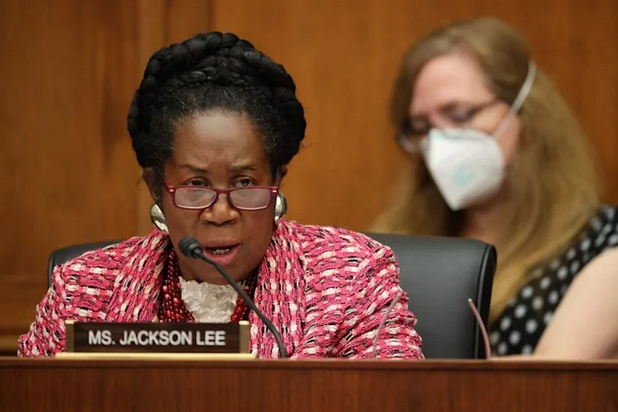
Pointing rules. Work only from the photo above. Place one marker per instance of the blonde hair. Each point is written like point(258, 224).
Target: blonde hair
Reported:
point(553, 188)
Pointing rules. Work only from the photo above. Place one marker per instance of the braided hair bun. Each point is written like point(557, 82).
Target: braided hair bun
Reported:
point(214, 71)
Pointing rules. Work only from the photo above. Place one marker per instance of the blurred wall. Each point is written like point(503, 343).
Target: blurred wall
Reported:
point(69, 69)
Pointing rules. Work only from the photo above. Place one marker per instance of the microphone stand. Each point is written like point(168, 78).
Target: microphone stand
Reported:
point(191, 248)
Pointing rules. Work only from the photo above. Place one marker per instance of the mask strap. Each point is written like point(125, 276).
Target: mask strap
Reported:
point(519, 100)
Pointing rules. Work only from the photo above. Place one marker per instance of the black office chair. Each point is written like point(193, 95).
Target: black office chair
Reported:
point(439, 275)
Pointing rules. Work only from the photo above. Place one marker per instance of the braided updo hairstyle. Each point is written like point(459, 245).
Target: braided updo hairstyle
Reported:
point(208, 72)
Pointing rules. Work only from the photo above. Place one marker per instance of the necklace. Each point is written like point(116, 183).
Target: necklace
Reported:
point(173, 309)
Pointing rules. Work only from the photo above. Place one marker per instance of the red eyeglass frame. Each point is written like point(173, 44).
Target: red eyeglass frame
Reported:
point(274, 191)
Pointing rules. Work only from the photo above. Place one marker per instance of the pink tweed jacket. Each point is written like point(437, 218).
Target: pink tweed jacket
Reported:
point(325, 289)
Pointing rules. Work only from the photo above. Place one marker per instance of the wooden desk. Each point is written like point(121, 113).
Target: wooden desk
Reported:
point(275, 386)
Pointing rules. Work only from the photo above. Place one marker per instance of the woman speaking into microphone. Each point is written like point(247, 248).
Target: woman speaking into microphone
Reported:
point(214, 125)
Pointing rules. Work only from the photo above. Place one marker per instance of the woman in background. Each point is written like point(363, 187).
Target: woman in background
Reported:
point(214, 125)
point(497, 155)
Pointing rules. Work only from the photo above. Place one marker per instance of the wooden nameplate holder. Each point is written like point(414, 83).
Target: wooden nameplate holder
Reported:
point(157, 341)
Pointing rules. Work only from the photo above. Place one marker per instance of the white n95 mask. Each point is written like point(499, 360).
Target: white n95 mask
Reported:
point(467, 165)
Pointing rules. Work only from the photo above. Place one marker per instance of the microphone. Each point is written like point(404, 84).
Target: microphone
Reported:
point(477, 315)
point(382, 323)
point(475, 312)
point(192, 249)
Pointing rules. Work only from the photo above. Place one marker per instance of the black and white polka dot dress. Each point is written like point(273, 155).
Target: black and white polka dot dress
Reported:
point(520, 326)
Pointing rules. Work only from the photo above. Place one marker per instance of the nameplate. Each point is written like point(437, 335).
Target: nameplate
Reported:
point(157, 337)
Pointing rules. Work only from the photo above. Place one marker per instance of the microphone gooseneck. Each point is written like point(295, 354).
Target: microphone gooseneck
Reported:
point(192, 249)
point(479, 319)
point(382, 324)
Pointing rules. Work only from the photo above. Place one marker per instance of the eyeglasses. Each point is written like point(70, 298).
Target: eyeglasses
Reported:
point(409, 137)
point(242, 198)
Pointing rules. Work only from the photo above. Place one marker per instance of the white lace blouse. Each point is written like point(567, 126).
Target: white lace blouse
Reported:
point(208, 303)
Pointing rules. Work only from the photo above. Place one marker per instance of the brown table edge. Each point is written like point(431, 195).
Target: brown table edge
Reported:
point(444, 365)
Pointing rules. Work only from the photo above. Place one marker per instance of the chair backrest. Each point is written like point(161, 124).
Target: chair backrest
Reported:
point(438, 274)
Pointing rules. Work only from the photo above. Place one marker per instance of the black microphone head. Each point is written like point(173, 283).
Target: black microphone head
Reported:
point(188, 246)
